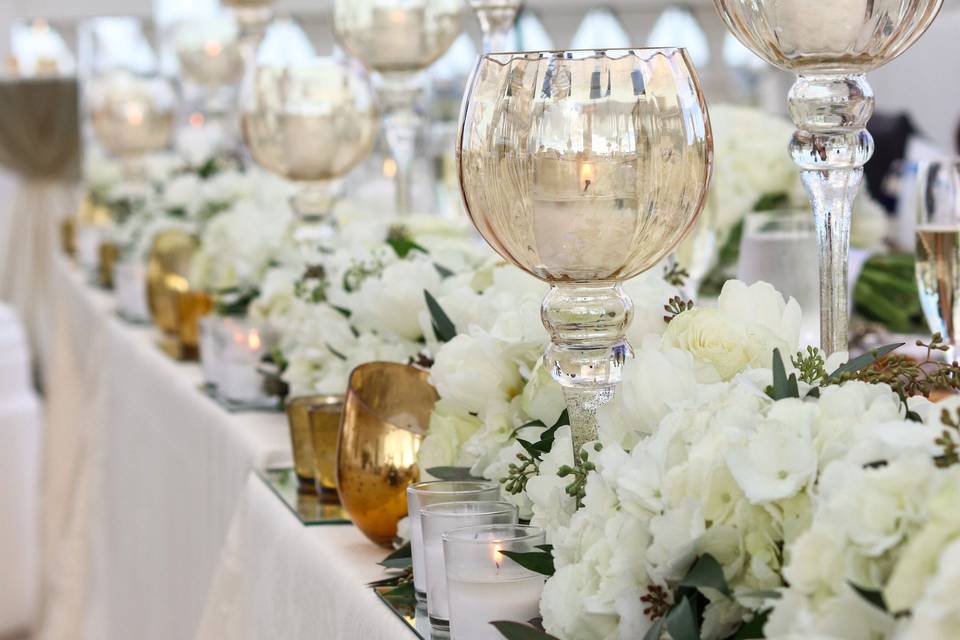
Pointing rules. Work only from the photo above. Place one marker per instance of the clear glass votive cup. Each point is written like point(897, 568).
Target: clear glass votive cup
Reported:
point(435, 492)
point(484, 585)
point(436, 520)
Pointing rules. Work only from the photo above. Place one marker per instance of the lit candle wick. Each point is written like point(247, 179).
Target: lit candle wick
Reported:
point(586, 175)
point(134, 113)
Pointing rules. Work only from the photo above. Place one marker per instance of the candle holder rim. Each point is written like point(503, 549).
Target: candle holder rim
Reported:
point(446, 508)
point(355, 391)
point(596, 53)
point(462, 534)
point(317, 400)
point(481, 486)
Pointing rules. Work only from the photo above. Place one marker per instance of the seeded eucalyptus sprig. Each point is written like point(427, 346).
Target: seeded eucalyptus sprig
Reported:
point(949, 440)
point(578, 487)
point(675, 275)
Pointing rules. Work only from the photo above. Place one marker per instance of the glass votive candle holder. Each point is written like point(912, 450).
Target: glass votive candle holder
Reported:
point(435, 492)
point(130, 288)
point(243, 350)
point(483, 585)
point(211, 348)
point(324, 421)
point(436, 520)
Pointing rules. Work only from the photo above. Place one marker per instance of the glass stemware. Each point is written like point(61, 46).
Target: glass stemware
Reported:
point(496, 20)
point(398, 39)
point(296, 108)
point(585, 168)
point(938, 248)
point(830, 45)
point(132, 115)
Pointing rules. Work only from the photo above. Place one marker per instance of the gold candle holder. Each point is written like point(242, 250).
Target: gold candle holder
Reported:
point(298, 417)
point(385, 417)
point(109, 252)
point(167, 268)
point(191, 306)
point(325, 416)
point(68, 236)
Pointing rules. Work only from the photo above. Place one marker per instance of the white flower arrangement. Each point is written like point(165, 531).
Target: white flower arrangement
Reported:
point(725, 495)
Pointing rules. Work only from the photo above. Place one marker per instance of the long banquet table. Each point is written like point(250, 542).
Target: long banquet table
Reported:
point(154, 522)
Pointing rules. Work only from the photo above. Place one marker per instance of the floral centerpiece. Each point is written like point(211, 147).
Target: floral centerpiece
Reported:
point(740, 488)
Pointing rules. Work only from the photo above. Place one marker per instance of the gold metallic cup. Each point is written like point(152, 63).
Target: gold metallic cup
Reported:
point(325, 415)
point(298, 417)
point(68, 236)
point(109, 252)
point(385, 417)
point(191, 306)
point(167, 269)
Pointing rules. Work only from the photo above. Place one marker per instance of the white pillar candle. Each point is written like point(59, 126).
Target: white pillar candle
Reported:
point(484, 585)
point(211, 349)
point(88, 245)
point(426, 493)
point(399, 32)
point(239, 380)
point(438, 519)
point(129, 284)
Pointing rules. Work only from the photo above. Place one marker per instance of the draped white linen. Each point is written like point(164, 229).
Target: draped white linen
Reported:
point(20, 431)
point(40, 145)
point(141, 476)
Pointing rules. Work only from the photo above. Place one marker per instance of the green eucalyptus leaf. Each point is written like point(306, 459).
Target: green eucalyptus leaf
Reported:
point(654, 632)
point(706, 572)
point(518, 631)
point(442, 270)
point(865, 360)
point(536, 561)
point(783, 387)
point(873, 597)
point(400, 558)
point(443, 327)
point(753, 628)
point(681, 622)
point(452, 473)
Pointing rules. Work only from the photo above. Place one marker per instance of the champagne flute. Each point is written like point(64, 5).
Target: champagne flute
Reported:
point(585, 169)
point(830, 45)
point(938, 248)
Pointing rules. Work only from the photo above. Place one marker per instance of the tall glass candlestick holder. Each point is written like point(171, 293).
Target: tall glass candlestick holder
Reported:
point(585, 168)
point(398, 39)
point(830, 45)
point(323, 102)
point(496, 21)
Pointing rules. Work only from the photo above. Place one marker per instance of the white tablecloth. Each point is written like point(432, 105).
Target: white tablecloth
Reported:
point(20, 432)
point(143, 476)
point(279, 579)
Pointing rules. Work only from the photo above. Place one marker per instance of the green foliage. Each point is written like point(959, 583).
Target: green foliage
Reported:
point(312, 285)
point(706, 572)
point(782, 387)
point(812, 366)
point(400, 558)
point(886, 292)
point(517, 476)
point(401, 241)
point(949, 440)
point(578, 486)
point(235, 301)
point(537, 561)
point(452, 473)
point(675, 275)
point(873, 597)
point(443, 327)
point(518, 631)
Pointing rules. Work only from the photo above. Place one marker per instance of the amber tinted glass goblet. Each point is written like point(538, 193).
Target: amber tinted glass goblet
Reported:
point(585, 168)
point(830, 45)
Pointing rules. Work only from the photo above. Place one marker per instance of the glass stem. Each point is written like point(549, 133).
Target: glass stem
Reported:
point(399, 95)
point(313, 204)
point(496, 23)
point(830, 147)
point(588, 347)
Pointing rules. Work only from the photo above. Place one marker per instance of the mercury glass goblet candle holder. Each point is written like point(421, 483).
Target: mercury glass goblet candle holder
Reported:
point(253, 17)
point(132, 115)
point(496, 20)
point(312, 123)
point(830, 45)
point(585, 169)
point(210, 58)
point(398, 39)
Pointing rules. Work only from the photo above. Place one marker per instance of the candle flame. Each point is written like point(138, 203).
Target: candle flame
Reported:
point(213, 48)
point(196, 119)
point(253, 340)
point(398, 16)
point(389, 168)
point(134, 114)
point(586, 175)
point(495, 555)
point(39, 25)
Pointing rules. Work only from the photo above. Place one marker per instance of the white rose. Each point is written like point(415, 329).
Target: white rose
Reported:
point(471, 370)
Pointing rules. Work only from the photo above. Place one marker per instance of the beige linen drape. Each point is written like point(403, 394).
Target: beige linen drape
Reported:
point(40, 144)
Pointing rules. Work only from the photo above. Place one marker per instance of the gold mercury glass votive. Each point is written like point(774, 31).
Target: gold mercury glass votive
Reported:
point(191, 306)
point(68, 236)
point(167, 268)
point(385, 417)
point(325, 414)
point(109, 252)
point(298, 417)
